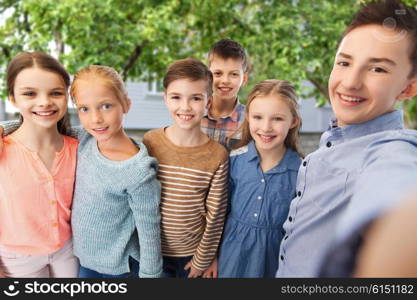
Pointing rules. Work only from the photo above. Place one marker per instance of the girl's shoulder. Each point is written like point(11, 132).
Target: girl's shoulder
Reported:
point(142, 159)
point(239, 151)
point(72, 141)
point(292, 160)
point(8, 144)
point(238, 158)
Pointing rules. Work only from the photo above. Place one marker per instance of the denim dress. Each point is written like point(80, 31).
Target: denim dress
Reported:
point(258, 207)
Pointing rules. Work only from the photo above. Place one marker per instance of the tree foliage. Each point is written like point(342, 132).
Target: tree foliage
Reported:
point(287, 39)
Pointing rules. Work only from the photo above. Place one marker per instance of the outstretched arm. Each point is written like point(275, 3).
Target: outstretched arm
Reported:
point(382, 240)
point(9, 127)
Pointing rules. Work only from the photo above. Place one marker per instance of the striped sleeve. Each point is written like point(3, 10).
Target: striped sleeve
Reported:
point(216, 204)
point(182, 208)
point(10, 126)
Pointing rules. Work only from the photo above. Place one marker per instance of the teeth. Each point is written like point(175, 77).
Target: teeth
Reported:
point(100, 129)
point(45, 113)
point(185, 117)
point(266, 137)
point(351, 99)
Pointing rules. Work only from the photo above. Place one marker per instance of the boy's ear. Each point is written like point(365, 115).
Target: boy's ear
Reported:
point(209, 100)
point(165, 98)
point(245, 78)
point(410, 91)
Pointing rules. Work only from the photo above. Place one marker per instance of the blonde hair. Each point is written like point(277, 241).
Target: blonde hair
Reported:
point(285, 91)
point(109, 77)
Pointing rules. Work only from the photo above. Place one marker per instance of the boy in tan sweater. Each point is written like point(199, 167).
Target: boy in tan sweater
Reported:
point(193, 171)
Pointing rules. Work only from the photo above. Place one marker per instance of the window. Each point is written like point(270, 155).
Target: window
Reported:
point(155, 87)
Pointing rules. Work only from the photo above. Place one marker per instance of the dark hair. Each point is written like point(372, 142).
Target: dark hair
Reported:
point(285, 91)
point(229, 49)
point(191, 69)
point(108, 76)
point(391, 14)
point(37, 59)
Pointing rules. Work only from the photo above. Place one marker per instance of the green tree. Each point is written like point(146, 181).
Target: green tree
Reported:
point(287, 39)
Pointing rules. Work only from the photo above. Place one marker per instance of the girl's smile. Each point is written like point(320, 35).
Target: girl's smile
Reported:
point(270, 119)
point(41, 97)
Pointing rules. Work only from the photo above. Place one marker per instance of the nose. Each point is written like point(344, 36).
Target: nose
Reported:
point(352, 79)
point(44, 100)
point(225, 79)
point(96, 117)
point(266, 125)
point(185, 105)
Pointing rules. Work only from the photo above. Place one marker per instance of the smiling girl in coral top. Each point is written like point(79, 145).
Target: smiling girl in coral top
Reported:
point(37, 168)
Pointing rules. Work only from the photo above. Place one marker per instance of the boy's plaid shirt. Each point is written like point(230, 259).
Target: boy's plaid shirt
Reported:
point(225, 127)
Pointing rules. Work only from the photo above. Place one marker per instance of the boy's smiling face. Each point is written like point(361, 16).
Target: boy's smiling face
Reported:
point(370, 74)
point(186, 101)
point(228, 77)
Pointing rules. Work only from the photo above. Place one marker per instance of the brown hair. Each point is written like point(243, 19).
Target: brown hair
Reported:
point(391, 14)
point(43, 61)
point(191, 69)
point(226, 49)
point(108, 76)
point(284, 90)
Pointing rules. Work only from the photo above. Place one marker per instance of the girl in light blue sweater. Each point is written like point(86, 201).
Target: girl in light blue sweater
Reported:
point(115, 214)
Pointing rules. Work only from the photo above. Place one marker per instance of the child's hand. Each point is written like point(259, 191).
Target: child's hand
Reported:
point(194, 273)
point(211, 272)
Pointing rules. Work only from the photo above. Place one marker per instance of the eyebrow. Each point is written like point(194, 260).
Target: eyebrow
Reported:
point(33, 88)
point(383, 59)
point(274, 115)
point(101, 102)
point(372, 60)
point(216, 70)
point(179, 94)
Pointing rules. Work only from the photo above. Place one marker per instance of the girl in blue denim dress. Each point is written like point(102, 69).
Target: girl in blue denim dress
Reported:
point(263, 173)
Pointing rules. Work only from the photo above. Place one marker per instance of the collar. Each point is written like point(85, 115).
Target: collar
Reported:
point(290, 160)
point(389, 121)
point(234, 115)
